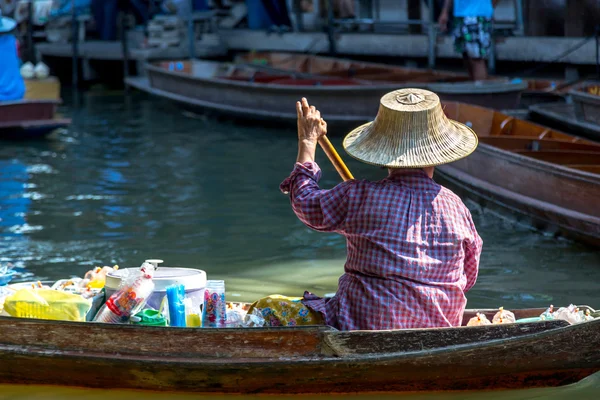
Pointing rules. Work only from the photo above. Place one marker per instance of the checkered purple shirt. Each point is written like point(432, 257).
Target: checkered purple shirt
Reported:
point(413, 250)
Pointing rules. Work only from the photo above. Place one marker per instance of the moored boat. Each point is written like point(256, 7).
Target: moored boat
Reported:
point(252, 92)
point(546, 176)
point(535, 90)
point(563, 116)
point(299, 359)
point(26, 119)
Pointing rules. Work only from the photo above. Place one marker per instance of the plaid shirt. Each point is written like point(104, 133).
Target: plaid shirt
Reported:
point(413, 250)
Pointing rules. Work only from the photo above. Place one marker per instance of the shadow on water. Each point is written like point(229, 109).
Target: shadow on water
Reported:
point(586, 389)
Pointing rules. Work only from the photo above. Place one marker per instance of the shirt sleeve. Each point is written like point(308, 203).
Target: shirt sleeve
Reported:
point(321, 210)
point(472, 254)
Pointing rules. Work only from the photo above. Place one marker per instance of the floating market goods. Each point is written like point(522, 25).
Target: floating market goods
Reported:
point(129, 299)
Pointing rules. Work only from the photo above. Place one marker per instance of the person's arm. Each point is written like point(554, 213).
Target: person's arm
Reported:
point(473, 249)
point(310, 128)
point(321, 210)
point(445, 15)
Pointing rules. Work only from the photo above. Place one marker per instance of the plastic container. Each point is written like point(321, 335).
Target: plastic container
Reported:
point(149, 318)
point(130, 298)
point(194, 281)
point(47, 304)
point(214, 312)
point(176, 297)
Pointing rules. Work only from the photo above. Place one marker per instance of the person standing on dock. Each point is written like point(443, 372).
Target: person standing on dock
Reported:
point(472, 32)
point(413, 249)
point(12, 86)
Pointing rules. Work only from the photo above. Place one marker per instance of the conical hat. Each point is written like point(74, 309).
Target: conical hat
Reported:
point(410, 131)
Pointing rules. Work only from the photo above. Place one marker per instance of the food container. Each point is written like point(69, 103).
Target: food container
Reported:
point(194, 281)
point(47, 304)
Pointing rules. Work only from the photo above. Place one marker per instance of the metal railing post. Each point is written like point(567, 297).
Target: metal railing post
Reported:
point(191, 35)
point(75, 46)
point(431, 36)
point(492, 55)
point(520, 25)
point(331, 28)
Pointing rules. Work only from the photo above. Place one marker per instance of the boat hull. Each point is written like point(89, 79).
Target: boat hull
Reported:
point(564, 116)
point(29, 119)
point(296, 360)
point(337, 103)
point(544, 194)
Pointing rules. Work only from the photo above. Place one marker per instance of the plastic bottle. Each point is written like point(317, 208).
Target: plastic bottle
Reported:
point(129, 299)
point(175, 298)
point(214, 313)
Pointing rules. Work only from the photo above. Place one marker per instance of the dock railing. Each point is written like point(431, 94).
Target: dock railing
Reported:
point(428, 24)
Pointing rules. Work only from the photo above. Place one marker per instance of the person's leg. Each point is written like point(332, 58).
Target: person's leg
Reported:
point(109, 32)
point(468, 65)
point(284, 13)
point(140, 11)
point(97, 8)
point(475, 44)
point(460, 34)
point(479, 69)
point(272, 11)
point(346, 9)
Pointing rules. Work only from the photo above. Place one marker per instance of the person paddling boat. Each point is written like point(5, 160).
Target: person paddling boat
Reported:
point(413, 249)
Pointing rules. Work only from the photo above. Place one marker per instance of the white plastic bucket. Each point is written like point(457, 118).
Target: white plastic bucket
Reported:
point(194, 281)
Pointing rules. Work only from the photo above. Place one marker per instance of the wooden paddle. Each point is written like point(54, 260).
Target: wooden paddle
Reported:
point(335, 158)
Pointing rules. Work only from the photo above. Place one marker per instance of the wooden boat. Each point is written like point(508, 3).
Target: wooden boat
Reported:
point(581, 116)
point(301, 359)
point(563, 116)
point(535, 91)
point(251, 92)
point(586, 100)
point(546, 176)
point(26, 119)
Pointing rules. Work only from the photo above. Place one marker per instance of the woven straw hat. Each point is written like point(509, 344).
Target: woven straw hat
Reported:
point(410, 131)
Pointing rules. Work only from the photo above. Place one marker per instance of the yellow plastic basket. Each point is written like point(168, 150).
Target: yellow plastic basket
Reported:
point(47, 304)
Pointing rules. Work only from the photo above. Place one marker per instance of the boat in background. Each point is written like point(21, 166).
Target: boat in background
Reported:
point(28, 119)
point(536, 90)
point(548, 177)
point(296, 360)
point(252, 92)
point(581, 116)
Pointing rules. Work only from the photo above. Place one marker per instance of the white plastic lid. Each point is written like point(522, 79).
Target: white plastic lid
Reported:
point(163, 277)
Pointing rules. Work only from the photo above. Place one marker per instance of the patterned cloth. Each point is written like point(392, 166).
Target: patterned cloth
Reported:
point(279, 310)
point(413, 250)
point(473, 36)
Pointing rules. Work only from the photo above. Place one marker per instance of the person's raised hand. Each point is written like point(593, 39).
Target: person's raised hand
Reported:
point(311, 126)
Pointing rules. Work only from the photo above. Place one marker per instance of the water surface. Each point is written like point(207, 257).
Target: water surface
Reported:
point(141, 179)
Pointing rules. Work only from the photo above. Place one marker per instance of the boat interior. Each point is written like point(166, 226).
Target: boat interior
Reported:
point(526, 138)
point(340, 68)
